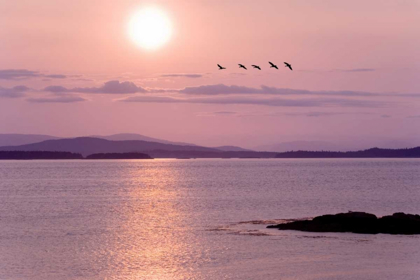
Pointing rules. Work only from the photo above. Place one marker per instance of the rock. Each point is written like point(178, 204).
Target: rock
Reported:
point(357, 222)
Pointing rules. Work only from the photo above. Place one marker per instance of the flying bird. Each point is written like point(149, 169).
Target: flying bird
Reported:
point(221, 67)
point(273, 65)
point(256, 67)
point(242, 66)
point(288, 65)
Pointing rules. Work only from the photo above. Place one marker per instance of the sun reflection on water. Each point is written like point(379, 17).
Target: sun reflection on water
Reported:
point(152, 241)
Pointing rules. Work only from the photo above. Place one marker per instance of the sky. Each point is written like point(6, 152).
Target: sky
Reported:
point(72, 68)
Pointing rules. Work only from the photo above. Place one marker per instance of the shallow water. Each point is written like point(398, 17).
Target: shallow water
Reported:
point(202, 219)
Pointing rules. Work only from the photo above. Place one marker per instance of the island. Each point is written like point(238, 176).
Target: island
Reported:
point(119, 156)
point(357, 222)
point(27, 155)
point(369, 153)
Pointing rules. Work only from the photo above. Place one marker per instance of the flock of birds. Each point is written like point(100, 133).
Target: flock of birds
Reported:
point(272, 65)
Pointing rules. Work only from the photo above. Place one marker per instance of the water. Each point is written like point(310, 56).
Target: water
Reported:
point(202, 219)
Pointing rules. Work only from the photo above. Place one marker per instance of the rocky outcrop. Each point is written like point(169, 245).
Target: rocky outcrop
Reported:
point(357, 222)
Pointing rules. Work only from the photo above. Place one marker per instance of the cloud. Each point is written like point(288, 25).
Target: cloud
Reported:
point(218, 114)
point(279, 114)
point(110, 87)
point(181, 75)
point(15, 92)
point(56, 89)
point(224, 113)
point(116, 87)
point(354, 70)
point(82, 79)
point(221, 89)
point(414, 116)
point(16, 74)
point(315, 114)
point(416, 95)
point(385, 116)
point(11, 74)
point(276, 102)
point(64, 99)
point(56, 76)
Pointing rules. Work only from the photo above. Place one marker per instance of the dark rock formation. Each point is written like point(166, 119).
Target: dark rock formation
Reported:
point(119, 156)
point(357, 222)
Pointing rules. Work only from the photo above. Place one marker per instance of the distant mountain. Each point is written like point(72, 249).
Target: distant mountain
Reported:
point(201, 154)
point(347, 145)
point(89, 145)
point(119, 156)
point(381, 143)
point(133, 136)
point(300, 146)
point(369, 153)
point(23, 139)
point(232, 149)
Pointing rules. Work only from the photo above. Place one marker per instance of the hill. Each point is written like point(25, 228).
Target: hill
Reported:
point(299, 146)
point(204, 154)
point(23, 139)
point(369, 153)
point(232, 149)
point(119, 156)
point(134, 136)
point(88, 145)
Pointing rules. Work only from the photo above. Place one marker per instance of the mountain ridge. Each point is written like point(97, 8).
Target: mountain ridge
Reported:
point(16, 139)
point(90, 145)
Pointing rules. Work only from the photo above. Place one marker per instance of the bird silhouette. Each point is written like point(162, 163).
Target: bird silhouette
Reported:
point(273, 65)
point(288, 65)
point(242, 66)
point(256, 67)
point(221, 67)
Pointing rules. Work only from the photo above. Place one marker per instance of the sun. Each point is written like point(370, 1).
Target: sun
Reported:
point(150, 28)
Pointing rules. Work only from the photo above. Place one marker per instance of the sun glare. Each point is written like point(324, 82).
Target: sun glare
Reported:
point(150, 28)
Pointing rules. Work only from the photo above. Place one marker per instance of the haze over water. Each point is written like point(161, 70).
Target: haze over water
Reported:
point(190, 219)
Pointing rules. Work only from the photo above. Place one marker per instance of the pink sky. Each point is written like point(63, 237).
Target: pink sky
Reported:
point(356, 70)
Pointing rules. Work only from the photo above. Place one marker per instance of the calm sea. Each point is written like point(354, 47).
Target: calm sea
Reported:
point(202, 219)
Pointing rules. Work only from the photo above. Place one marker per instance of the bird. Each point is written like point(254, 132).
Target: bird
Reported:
point(242, 66)
point(256, 67)
point(273, 65)
point(221, 67)
point(288, 65)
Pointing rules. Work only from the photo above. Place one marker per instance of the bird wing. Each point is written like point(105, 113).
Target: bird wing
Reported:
point(272, 64)
point(219, 66)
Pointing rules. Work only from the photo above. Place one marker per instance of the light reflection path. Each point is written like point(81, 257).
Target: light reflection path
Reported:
point(153, 240)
